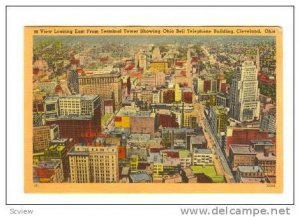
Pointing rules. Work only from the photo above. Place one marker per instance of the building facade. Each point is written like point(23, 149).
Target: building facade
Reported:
point(106, 86)
point(95, 163)
point(244, 93)
point(78, 116)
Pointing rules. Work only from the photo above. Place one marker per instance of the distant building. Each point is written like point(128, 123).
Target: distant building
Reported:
point(155, 96)
point(268, 122)
point(153, 79)
point(72, 81)
point(244, 93)
point(168, 95)
point(166, 118)
point(222, 99)
point(108, 106)
point(175, 137)
point(178, 93)
point(105, 85)
point(159, 66)
point(143, 122)
point(156, 54)
point(218, 119)
point(136, 149)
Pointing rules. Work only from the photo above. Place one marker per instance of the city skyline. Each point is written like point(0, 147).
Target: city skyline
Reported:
point(170, 109)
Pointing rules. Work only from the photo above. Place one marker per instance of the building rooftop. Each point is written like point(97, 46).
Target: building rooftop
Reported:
point(142, 114)
point(253, 180)
point(209, 171)
point(170, 153)
point(242, 149)
point(184, 154)
point(139, 137)
point(81, 96)
point(261, 156)
point(220, 110)
point(249, 169)
point(125, 171)
point(95, 73)
point(155, 157)
point(55, 148)
point(199, 139)
point(80, 152)
point(51, 164)
point(202, 151)
point(57, 141)
point(127, 111)
point(73, 117)
point(262, 142)
point(77, 96)
point(51, 98)
point(140, 177)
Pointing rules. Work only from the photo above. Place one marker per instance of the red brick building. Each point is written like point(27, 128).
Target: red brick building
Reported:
point(244, 136)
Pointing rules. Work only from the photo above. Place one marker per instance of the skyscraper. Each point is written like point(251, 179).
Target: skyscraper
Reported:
point(106, 85)
point(96, 163)
point(244, 93)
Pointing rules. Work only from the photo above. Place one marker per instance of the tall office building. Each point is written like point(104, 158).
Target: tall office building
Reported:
point(78, 116)
point(95, 163)
point(105, 85)
point(156, 54)
point(79, 163)
point(244, 93)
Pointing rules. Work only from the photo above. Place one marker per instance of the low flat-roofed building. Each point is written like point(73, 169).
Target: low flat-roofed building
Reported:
point(267, 161)
point(50, 171)
point(202, 157)
point(174, 178)
point(185, 157)
point(262, 145)
point(198, 141)
point(207, 174)
point(140, 177)
point(241, 155)
point(188, 176)
point(250, 174)
point(143, 122)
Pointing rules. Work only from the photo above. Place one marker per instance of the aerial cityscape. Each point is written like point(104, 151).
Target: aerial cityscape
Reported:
point(159, 109)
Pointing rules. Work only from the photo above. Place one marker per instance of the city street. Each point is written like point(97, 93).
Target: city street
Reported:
point(219, 158)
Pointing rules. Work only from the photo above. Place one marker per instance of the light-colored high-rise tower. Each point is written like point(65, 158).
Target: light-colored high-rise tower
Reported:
point(156, 56)
point(79, 165)
point(257, 60)
point(95, 163)
point(104, 163)
point(244, 93)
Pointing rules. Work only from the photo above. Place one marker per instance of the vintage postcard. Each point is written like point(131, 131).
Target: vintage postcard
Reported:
point(153, 109)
